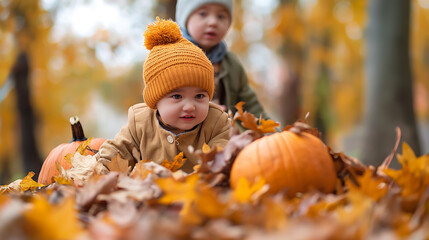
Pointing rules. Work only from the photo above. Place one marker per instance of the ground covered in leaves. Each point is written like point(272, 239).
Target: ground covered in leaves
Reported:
point(153, 201)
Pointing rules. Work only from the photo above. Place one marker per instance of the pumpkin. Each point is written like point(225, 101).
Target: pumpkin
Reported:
point(286, 161)
point(49, 168)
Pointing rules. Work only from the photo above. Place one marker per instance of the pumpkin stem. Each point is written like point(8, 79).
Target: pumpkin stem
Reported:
point(77, 130)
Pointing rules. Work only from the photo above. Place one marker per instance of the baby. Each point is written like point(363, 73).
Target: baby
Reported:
point(177, 113)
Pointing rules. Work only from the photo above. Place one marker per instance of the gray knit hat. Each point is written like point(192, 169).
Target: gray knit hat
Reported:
point(184, 8)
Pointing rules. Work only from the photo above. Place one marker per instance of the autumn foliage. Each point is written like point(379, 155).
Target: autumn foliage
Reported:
point(153, 201)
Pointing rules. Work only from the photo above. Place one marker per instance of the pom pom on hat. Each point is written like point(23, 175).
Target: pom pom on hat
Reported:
point(161, 32)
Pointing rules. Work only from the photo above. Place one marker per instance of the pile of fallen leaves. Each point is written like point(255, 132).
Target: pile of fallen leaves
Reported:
point(153, 201)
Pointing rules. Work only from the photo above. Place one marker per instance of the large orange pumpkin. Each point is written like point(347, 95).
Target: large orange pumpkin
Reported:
point(49, 168)
point(286, 161)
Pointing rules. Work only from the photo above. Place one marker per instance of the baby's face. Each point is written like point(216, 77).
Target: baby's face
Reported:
point(184, 108)
point(208, 25)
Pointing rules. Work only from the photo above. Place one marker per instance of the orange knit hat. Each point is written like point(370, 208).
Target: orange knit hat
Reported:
point(173, 62)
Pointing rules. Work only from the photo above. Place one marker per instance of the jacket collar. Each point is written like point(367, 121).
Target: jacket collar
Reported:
point(164, 126)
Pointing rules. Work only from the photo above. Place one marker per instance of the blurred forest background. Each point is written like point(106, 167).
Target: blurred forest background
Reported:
point(359, 67)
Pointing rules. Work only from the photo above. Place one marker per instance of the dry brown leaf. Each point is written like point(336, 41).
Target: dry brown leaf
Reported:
point(220, 229)
point(93, 187)
point(346, 167)
point(13, 187)
point(152, 169)
point(11, 212)
point(250, 122)
point(223, 161)
point(118, 164)
point(299, 127)
point(135, 189)
point(389, 158)
point(83, 167)
point(140, 171)
point(123, 213)
point(206, 155)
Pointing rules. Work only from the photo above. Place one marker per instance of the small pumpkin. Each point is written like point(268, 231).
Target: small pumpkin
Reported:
point(286, 161)
point(49, 168)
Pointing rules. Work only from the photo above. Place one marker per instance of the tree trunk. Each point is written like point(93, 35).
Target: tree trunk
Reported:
point(389, 98)
point(292, 54)
point(322, 107)
point(166, 9)
point(322, 111)
point(289, 108)
point(29, 152)
point(5, 173)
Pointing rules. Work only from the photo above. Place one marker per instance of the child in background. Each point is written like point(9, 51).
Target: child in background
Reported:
point(205, 23)
point(179, 84)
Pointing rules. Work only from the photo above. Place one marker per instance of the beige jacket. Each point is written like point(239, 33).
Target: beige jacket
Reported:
point(144, 138)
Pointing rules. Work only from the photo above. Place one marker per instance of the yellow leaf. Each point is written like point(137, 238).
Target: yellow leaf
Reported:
point(199, 201)
point(176, 164)
point(84, 146)
point(181, 192)
point(276, 217)
point(189, 215)
point(208, 203)
point(28, 183)
point(175, 191)
point(324, 205)
point(3, 201)
point(412, 178)
point(268, 126)
point(408, 154)
point(62, 180)
point(80, 149)
point(414, 175)
point(369, 185)
point(358, 209)
point(48, 221)
point(243, 192)
point(197, 167)
point(206, 148)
